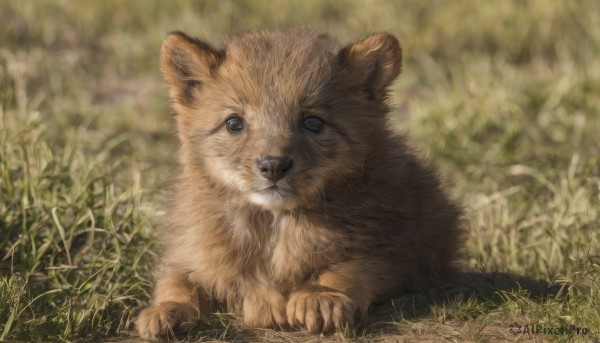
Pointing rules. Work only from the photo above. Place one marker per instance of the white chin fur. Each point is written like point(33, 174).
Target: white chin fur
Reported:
point(272, 201)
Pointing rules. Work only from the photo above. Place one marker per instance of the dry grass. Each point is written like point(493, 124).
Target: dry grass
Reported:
point(504, 95)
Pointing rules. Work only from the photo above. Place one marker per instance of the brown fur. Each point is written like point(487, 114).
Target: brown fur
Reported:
point(357, 217)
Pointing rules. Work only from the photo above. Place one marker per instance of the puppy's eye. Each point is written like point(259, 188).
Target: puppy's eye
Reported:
point(234, 124)
point(313, 124)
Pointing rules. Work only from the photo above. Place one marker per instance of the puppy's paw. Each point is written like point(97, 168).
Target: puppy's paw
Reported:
point(157, 322)
point(264, 309)
point(320, 310)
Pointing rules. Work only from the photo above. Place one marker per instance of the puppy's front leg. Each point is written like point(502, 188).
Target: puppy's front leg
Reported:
point(177, 304)
point(340, 293)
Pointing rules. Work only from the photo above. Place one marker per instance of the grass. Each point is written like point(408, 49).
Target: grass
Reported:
point(504, 96)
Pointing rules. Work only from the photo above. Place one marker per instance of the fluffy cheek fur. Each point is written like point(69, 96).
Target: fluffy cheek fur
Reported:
point(333, 156)
point(226, 164)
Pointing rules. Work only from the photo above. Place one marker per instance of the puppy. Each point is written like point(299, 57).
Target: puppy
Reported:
point(295, 200)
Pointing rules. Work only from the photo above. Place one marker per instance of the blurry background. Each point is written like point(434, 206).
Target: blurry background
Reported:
point(502, 95)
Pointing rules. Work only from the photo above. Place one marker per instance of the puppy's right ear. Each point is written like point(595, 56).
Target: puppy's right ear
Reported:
point(186, 63)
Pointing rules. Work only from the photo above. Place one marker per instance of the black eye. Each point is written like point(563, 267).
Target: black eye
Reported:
point(234, 124)
point(313, 124)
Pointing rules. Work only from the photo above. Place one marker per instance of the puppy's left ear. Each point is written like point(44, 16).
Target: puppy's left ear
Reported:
point(372, 64)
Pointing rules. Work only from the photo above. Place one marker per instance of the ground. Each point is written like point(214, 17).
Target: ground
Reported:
point(502, 95)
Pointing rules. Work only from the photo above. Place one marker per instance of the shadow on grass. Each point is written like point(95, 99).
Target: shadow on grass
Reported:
point(487, 290)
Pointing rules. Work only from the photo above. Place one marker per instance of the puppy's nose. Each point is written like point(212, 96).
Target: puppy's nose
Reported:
point(274, 167)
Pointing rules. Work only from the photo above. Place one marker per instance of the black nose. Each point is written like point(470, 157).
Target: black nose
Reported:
point(274, 167)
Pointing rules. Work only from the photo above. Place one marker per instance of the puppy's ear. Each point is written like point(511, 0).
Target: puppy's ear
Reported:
point(186, 63)
point(372, 64)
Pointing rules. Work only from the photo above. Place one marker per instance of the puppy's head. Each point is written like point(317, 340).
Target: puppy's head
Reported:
point(276, 116)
